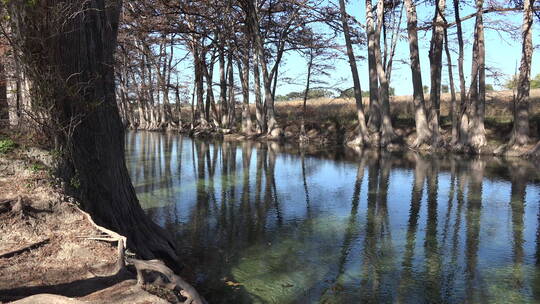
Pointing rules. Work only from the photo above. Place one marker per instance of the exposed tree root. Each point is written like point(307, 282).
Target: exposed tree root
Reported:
point(175, 281)
point(172, 281)
point(113, 236)
point(24, 248)
point(47, 299)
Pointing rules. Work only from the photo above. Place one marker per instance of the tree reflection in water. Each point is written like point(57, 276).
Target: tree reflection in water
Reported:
point(265, 223)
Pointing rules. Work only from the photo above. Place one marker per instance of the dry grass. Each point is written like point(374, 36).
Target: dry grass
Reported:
point(498, 111)
point(325, 112)
point(498, 106)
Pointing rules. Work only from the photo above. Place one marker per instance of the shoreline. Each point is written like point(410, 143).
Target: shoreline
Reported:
point(401, 144)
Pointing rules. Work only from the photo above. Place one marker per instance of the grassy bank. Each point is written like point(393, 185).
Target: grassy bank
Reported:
point(333, 120)
point(498, 118)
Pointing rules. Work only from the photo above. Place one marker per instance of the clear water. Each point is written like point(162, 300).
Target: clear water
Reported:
point(263, 223)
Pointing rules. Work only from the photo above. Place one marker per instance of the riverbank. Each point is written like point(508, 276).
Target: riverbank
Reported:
point(332, 121)
point(52, 252)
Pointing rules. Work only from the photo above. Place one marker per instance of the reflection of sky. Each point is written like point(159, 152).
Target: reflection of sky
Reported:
point(312, 237)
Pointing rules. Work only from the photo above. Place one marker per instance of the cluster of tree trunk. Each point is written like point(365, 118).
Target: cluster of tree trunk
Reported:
point(468, 132)
point(234, 50)
point(240, 42)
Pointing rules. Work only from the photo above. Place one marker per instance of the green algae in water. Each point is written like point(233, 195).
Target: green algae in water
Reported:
point(261, 226)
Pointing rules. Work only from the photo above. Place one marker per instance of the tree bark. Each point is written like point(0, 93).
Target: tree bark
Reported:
point(423, 133)
point(231, 119)
point(395, 36)
point(260, 112)
point(477, 92)
point(253, 21)
point(306, 94)
point(224, 109)
point(210, 99)
point(453, 103)
point(374, 121)
point(243, 71)
point(435, 60)
point(199, 88)
point(386, 130)
point(463, 115)
point(80, 54)
point(4, 108)
point(520, 132)
point(363, 135)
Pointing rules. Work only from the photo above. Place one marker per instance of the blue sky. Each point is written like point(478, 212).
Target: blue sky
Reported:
point(503, 53)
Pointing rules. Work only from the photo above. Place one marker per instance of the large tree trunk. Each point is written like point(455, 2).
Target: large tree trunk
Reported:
point(200, 120)
point(260, 112)
point(363, 137)
point(243, 71)
point(423, 133)
point(477, 92)
point(212, 114)
point(463, 115)
point(374, 121)
point(4, 108)
point(453, 103)
point(13, 88)
point(224, 109)
point(76, 49)
point(386, 130)
point(253, 22)
point(306, 94)
point(520, 132)
point(231, 119)
point(435, 60)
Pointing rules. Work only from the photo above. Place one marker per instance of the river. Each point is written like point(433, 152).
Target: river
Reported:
point(269, 223)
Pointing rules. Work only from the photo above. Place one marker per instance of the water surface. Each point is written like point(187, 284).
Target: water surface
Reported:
point(263, 223)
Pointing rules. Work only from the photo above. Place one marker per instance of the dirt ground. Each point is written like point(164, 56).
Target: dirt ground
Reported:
point(45, 245)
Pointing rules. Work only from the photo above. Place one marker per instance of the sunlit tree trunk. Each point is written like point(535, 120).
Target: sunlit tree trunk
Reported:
point(253, 21)
point(477, 93)
point(306, 94)
point(435, 60)
point(260, 113)
point(374, 121)
point(224, 109)
point(423, 133)
point(463, 115)
point(386, 130)
point(243, 71)
point(231, 119)
point(520, 132)
point(363, 137)
point(453, 103)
